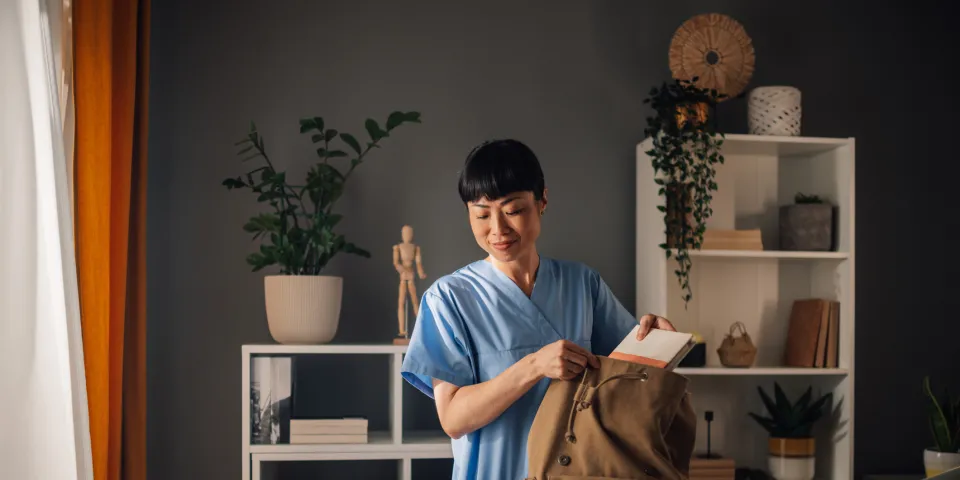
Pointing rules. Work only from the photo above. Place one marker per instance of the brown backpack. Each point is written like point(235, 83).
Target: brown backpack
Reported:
point(621, 420)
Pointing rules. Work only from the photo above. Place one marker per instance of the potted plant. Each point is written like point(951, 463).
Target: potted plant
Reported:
point(944, 420)
point(807, 225)
point(685, 152)
point(297, 232)
point(791, 444)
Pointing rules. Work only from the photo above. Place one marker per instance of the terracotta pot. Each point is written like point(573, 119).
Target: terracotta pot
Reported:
point(792, 458)
point(303, 309)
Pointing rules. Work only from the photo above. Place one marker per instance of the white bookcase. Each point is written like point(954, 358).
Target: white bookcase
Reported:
point(394, 444)
point(757, 288)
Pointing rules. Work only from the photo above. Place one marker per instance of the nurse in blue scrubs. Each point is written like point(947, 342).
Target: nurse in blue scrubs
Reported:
point(491, 335)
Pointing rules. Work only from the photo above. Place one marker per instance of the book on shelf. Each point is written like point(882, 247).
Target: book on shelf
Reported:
point(331, 438)
point(721, 239)
point(271, 394)
point(329, 426)
point(813, 334)
point(712, 468)
point(660, 348)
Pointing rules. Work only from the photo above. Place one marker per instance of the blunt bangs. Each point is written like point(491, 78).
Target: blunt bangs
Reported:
point(497, 168)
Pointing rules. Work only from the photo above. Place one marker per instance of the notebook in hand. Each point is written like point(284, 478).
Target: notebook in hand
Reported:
point(660, 348)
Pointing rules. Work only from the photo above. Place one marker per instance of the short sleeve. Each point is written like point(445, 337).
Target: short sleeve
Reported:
point(611, 321)
point(437, 348)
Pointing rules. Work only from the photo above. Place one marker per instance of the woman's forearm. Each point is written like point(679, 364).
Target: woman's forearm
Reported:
point(465, 409)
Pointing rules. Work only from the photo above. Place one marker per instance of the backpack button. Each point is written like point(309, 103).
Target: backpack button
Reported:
point(564, 460)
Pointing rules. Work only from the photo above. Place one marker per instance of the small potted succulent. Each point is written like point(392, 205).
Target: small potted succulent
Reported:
point(944, 420)
point(807, 225)
point(791, 445)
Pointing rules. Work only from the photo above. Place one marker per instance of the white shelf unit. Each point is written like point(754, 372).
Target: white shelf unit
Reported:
point(395, 444)
point(759, 174)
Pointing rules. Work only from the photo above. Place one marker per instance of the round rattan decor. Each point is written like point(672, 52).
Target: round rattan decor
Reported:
point(715, 48)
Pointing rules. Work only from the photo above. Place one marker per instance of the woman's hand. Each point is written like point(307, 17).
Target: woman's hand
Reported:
point(651, 321)
point(563, 360)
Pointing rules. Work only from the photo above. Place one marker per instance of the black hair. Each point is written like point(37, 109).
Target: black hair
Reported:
point(497, 168)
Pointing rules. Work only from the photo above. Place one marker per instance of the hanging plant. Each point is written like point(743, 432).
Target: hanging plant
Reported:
point(686, 149)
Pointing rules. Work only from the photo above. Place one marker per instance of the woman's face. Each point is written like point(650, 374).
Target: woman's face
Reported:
point(507, 228)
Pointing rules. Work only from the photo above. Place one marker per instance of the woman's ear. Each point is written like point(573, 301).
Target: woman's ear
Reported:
point(543, 201)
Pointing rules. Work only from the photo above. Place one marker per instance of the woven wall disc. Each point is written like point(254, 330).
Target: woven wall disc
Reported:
point(715, 48)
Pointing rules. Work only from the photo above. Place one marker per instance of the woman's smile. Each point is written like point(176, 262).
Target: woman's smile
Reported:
point(504, 244)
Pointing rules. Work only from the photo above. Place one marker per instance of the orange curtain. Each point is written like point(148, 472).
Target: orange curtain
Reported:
point(111, 55)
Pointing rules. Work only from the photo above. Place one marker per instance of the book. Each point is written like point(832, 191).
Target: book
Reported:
point(344, 425)
point(271, 390)
point(812, 334)
point(716, 239)
point(660, 348)
point(304, 439)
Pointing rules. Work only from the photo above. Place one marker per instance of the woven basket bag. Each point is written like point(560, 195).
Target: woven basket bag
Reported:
point(737, 351)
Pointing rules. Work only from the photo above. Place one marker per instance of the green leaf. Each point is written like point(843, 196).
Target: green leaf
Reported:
point(307, 124)
point(317, 137)
point(768, 402)
point(352, 141)
point(232, 183)
point(351, 248)
point(394, 120)
point(336, 153)
point(373, 129)
point(331, 134)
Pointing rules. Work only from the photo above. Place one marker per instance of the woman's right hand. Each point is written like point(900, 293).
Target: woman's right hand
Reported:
point(563, 360)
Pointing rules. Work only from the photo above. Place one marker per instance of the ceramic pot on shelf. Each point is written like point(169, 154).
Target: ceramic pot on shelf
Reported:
point(792, 458)
point(303, 309)
point(936, 462)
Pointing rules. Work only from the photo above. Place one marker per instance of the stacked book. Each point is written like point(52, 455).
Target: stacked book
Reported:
point(813, 334)
point(328, 430)
point(715, 239)
point(712, 469)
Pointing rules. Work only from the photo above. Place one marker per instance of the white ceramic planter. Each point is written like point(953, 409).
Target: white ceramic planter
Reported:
point(303, 309)
point(792, 458)
point(936, 463)
point(786, 468)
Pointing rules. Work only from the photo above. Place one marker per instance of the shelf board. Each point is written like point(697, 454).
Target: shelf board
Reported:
point(743, 144)
point(773, 254)
point(365, 348)
point(378, 442)
point(759, 371)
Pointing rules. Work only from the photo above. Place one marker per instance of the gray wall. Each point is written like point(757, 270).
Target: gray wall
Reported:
point(566, 77)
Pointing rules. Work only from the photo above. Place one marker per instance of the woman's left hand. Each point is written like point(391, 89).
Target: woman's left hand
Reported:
point(650, 321)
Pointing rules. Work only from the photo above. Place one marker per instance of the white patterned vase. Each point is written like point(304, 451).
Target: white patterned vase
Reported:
point(774, 111)
point(303, 309)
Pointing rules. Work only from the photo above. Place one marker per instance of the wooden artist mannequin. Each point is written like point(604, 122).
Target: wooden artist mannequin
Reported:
point(405, 255)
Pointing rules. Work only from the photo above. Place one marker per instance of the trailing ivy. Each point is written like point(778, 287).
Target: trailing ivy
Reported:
point(686, 150)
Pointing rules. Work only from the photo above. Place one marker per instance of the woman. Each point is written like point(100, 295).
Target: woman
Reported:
point(490, 336)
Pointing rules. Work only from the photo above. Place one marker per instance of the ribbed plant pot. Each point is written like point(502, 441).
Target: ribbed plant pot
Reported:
point(935, 462)
point(792, 458)
point(303, 309)
point(806, 227)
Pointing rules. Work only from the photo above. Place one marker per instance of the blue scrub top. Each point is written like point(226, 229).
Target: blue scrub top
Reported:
point(475, 323)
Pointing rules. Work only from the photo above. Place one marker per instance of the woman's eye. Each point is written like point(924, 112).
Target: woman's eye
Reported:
point(482, 217)
point(518, 212)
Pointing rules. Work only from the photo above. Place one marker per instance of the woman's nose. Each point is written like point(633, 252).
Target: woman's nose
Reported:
point(498, 225)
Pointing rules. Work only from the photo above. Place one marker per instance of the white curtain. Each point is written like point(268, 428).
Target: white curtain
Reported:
point(44, 432)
